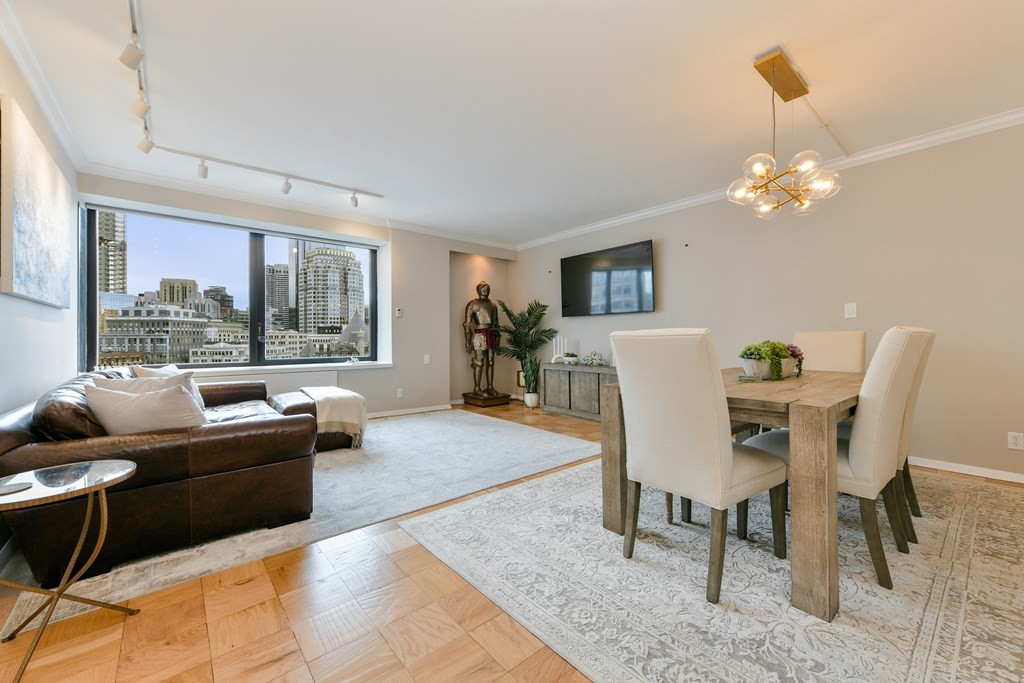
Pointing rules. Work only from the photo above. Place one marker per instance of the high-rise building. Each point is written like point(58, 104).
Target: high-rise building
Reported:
point(277, 284)
point(177, 291)
point(226, 301)
point(162, 334)
point(112, 254)
point(330, 289)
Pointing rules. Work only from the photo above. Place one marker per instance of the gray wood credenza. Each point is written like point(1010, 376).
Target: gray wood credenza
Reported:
point(574, 389)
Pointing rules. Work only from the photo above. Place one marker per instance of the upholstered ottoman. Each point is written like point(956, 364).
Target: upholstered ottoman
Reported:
point(300, 403)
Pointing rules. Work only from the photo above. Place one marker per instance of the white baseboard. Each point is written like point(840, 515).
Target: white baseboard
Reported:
point(410, 411)
point(458, 401)
point(1015, 477)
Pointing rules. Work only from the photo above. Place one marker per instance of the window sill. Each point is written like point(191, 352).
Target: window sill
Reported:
point(249, 370)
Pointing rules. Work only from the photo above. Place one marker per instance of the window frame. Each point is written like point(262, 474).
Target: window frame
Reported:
point(88, 337)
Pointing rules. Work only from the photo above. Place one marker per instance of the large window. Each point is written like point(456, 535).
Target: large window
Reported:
point(172, 291)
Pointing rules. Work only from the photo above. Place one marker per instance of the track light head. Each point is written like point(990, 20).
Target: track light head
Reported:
point(286, 187)
point(203, 169)
point(146, 145)
point(355, 200)
point(132, 54)
point(141, 107)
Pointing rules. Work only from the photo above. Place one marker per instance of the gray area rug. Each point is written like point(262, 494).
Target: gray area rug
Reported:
point(406, 463)
point(539, 551)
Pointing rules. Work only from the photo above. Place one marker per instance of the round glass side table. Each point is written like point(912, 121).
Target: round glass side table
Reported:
point(49, 485)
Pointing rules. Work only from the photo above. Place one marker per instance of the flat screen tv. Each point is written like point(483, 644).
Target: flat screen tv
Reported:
point(616, 280)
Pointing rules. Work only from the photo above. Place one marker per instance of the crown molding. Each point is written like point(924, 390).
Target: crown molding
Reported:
point(632, 217)
point(988, 124)
point(208, 190)
point(14, 38)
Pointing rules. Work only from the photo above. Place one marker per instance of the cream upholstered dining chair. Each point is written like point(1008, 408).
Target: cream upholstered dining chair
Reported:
point(839, 351)
point(905, 494)
point(867, 460)
point(678, 436)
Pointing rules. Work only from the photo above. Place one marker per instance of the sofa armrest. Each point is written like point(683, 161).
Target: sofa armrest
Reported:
point(159, 456)
point(235, 445)
point(293, 403)
point(221, 393)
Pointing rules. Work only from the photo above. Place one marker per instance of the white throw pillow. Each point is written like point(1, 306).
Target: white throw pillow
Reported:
point(142, 385)
point(163, 371)
point(123, 413)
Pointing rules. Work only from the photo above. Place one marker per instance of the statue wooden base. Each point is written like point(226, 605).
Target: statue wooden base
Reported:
point(486, 401)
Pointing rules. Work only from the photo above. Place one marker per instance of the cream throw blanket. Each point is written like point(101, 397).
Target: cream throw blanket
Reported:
point(339, 410)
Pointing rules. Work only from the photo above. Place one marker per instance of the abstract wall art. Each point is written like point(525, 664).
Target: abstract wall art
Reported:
point(37, 214)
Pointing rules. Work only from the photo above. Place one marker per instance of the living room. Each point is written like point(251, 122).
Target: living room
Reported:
point(506, 139)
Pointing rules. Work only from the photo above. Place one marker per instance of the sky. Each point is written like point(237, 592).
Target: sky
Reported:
point(166, 248)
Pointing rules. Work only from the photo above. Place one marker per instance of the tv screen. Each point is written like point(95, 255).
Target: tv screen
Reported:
point(616, 280)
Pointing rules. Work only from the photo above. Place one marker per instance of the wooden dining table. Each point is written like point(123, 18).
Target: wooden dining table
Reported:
point(810, 406)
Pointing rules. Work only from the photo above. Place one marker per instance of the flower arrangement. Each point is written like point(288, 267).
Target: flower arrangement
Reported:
point(774, 352)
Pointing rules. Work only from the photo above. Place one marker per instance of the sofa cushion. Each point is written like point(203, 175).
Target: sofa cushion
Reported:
point(62, 413)
point(121, 412)
point(162, 371)
point(244, 410)
point(141, 385)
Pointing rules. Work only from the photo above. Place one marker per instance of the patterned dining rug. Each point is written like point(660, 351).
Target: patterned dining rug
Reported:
point(539, 551)
point(407, 463)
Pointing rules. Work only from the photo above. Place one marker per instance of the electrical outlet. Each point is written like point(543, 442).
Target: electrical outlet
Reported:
point(1015, 441)
point(850, 310)
point(400, 393)
point(426, 359)
point(398, 312)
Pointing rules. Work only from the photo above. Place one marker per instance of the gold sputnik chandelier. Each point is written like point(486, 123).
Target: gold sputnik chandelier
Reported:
point(804, 182)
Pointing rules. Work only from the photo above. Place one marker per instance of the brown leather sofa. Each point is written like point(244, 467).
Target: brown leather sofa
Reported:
point(249, 467)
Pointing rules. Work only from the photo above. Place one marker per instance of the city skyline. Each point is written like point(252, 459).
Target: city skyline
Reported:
point(209, 254)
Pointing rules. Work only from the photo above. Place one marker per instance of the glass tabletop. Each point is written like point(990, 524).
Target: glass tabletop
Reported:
point(49, 484)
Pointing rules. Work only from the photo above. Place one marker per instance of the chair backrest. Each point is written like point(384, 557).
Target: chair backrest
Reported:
point(908, 414)
point(675, 413)
point(841, 351)
point(875, 439)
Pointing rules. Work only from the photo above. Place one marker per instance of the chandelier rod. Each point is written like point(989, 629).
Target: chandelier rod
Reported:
point(773, 111)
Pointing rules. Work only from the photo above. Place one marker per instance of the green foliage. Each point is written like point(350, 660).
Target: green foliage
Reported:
point(523, 337)
point(765, 350)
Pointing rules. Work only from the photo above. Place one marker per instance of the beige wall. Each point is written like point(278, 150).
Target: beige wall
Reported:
point(933, 238)
point(465, 272)
point(38, 345)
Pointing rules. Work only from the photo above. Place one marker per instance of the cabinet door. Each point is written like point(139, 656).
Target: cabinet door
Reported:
point(585, 392)
point(556, 388)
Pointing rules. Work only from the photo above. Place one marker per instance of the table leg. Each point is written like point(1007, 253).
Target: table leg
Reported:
point(814, 514)
point(613, 460)
point(66, 581)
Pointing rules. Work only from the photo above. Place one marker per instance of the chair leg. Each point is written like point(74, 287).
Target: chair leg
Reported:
point(685, 510)
point(908, 484)
point(741, 518)
point(632, 513)
point(668, 507)
point(777, 494)
point(892, 511)
point(716, 560)
point(869, 520)
point(901, 501)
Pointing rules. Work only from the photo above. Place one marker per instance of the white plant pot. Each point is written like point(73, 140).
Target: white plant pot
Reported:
point(532, 400)
point(762, 369)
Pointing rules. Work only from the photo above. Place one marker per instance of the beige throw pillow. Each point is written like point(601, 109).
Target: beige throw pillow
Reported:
point(163, 371)
point(121, 412)
point(143, 385)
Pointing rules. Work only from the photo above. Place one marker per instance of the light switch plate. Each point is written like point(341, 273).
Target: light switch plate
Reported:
point(850, 310)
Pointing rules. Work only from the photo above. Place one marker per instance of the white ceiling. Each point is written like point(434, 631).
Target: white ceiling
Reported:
point(507, 122)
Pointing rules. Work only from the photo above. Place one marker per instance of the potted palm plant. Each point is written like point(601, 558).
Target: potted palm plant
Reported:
point(522, 338)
